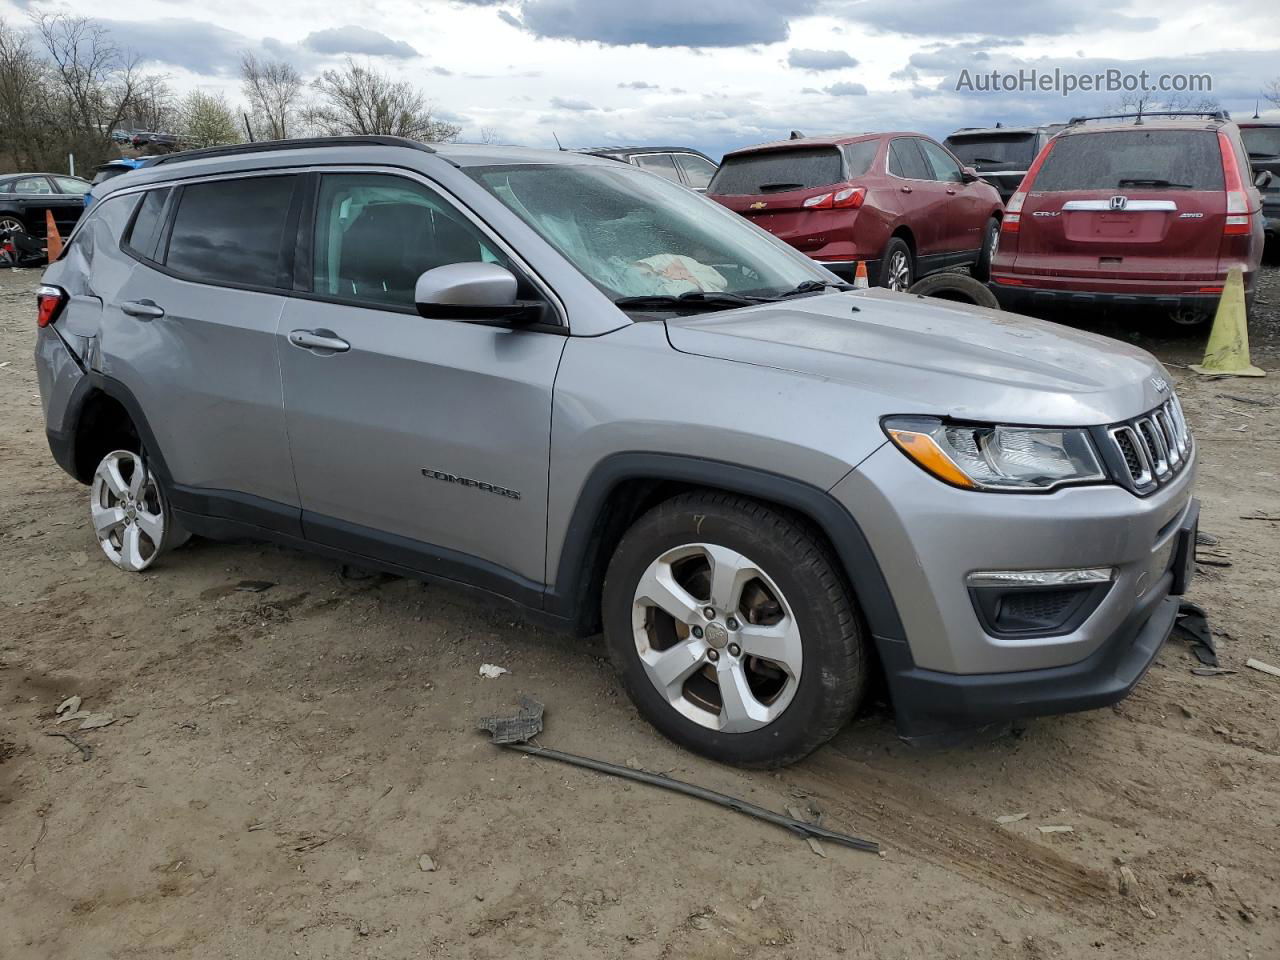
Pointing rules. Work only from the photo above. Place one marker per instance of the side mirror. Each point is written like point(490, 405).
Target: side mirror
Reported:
point(969, 175)
point(474, 292)
point(1263, 178)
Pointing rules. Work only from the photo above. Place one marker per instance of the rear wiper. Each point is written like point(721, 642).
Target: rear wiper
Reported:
point(695, 300)
point(765, 187)
point(814, 286)
point(1150, 182)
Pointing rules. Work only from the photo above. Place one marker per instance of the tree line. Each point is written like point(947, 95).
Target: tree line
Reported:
point(66, 85)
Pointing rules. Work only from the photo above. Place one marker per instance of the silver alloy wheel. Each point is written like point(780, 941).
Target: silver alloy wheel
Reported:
point(10, 225)
point(995, 243)
point(127, 512)
point(899, 271)
point(717, 638)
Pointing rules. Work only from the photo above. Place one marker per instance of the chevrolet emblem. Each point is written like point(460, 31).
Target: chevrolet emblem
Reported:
point(759, 205)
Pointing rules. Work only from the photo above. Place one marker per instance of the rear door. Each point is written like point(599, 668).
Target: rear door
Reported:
point(37, 196)
point(769, 188)
point(1135, 204)
point(192, 333)
point(922, 199)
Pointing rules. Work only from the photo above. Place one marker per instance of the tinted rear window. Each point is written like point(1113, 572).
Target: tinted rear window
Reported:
point(229, 231)
point(1019, 148)
point(1180, 159)
point(144, 235)
point(776, 170)
point(1261, 142)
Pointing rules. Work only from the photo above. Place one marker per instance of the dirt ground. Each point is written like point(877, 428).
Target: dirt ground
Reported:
point(281, 760)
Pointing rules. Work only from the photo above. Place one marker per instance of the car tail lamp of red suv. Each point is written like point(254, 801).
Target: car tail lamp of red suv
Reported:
point(1013, 209)
point(850, 198)
point(1239, 222)
point(49, 303)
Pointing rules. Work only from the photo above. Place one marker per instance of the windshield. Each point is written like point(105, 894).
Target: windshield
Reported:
point(1009, 148)
point(1261, 141)
point(636, 235)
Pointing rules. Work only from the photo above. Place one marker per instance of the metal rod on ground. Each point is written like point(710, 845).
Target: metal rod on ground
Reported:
point(690, 790)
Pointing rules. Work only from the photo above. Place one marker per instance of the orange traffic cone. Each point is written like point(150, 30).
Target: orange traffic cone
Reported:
point(53, 239)
point(860, 277)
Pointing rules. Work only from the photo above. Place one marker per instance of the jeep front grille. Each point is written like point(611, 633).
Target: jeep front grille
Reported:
point(1153, 448)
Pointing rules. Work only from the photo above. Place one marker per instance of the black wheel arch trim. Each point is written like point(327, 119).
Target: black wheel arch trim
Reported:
point(574, 569)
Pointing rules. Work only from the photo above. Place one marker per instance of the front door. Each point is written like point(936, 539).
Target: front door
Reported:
point(422, 442)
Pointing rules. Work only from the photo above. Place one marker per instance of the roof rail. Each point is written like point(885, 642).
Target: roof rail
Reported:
point(1140, 116)
point(301, 143)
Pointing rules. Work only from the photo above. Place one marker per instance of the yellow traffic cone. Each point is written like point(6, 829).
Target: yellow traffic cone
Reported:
point(1227, 353)
point(860, 276)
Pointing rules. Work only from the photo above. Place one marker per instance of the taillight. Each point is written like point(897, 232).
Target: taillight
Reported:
point(1013, 209)
point(1239, 223)
point(49, 301)
point(849, 198)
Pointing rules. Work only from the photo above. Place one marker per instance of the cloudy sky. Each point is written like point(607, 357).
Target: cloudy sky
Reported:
point(711, 73)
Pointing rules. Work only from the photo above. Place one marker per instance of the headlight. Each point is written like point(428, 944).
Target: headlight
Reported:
point(996, 457)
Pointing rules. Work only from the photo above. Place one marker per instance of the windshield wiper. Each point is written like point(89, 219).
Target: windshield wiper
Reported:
point(694, 300)
point(814, 286)
point(1150, 182)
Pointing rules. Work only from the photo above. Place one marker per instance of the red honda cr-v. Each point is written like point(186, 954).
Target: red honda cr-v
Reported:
point(899, 201)
point(1150, 211)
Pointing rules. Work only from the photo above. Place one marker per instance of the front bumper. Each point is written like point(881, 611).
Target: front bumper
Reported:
point(947, 670)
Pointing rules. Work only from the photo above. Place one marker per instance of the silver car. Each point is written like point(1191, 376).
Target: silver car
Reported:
point(572, 384)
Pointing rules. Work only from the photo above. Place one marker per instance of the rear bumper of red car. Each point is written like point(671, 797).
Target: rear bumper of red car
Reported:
point(1023, 296)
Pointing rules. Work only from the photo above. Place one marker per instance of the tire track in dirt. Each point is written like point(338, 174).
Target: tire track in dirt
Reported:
point(903, 817)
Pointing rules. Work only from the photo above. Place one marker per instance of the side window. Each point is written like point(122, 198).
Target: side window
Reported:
point(72, 185)
point(148, 224)
point(375, 234)
point(229, 231)
point(33, 186)
point(905, 160)
point(659, 163)
point(859, 156)
point(697, 170)
point(941, 164)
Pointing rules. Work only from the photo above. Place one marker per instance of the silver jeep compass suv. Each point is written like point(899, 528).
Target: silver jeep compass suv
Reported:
point(573, 384)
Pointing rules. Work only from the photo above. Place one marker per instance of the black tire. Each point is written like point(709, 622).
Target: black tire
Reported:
point(956, 287)
point(833, 676)
point(981, 268)
point(889, 264)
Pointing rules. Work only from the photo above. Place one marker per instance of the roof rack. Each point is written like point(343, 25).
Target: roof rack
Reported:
point(266, 146)
point(1139, 116)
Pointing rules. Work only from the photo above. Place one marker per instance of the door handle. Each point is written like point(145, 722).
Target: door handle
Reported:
point(318, 340)
point(906, 189)
point(142, 309)
point(951, 191)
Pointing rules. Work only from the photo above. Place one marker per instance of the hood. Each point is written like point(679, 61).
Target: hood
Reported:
point(937, 357)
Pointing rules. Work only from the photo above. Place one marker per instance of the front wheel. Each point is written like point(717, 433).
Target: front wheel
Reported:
point(11, 224)
point(130, 513)
point(732, 630)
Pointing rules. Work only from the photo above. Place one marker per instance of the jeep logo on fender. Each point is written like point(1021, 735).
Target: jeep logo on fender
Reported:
point(468, 482)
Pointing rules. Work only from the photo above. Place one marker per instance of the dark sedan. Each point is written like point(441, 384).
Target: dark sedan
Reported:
point(25, 198)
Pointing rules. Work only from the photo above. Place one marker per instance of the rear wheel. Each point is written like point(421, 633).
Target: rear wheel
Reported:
point(11, 224)
point(732, 630)
point(897, 270)
point(130, 513)
point(981, 268)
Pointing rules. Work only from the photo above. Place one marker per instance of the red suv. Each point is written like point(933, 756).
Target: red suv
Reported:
point(899, 201)
point(1151, 211)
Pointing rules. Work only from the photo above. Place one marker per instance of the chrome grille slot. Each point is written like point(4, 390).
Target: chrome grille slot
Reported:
point(1154, 447)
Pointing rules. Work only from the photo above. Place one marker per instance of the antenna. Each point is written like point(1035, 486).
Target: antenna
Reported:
point(558, 147)
point(1256, 103)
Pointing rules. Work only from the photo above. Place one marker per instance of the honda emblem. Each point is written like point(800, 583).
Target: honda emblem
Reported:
point(1118, 203)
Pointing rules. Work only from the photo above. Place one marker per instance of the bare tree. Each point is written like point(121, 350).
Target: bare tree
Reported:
point(23, 95)
point(1272, 92)
point(206, 120)
point(153, 105)
point(1148, 102)
point(274, 91)
point(93, 82)
point(360, 100)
